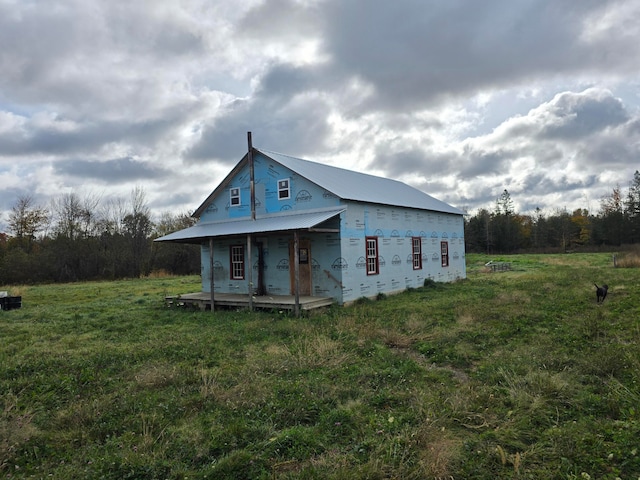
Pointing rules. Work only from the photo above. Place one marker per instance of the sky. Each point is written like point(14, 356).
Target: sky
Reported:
point(461, 99)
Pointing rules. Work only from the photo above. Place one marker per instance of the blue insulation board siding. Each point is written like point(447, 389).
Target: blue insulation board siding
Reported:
point(338, 260)
point(325, 248)
point(304, 194)
point(394, 228)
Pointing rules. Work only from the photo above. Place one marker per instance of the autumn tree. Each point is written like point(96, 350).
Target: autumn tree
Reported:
point(580, 233)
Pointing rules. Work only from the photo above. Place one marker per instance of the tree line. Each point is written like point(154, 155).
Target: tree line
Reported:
point(77, 238)
point(505, 231)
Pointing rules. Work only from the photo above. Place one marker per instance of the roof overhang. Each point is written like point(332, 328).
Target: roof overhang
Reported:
point(267, 224)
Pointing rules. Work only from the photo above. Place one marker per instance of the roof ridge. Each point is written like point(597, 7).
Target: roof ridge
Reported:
point(358, 186)
point(332, 166)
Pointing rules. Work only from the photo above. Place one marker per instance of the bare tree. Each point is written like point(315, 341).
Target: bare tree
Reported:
point(138, 228)
point(75, 216)
point(27, 219)
point(111, 217)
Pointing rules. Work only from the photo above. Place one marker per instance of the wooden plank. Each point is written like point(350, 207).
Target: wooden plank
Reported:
point(282, 302)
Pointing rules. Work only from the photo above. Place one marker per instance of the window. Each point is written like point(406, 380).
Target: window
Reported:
point(235, 196)
point(237, 262)
point(284, 192)
point(416, 243)
point(372, 256)
point(444, 253)
point(303, 256)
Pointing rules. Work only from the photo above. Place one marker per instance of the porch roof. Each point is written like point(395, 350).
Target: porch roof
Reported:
point(265, 224)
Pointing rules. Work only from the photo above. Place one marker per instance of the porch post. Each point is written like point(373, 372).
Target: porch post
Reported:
point(250, 272)
point(296, 272)
point(211, 272)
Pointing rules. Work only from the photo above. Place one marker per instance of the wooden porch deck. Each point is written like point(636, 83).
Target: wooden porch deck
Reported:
point(202, 300)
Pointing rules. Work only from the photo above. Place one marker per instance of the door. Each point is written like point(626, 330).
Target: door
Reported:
point(304, 266)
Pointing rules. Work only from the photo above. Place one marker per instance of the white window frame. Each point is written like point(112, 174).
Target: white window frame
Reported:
point(284, 189)
point(416, 250)
point(373, 260)
point(234, 196)
point(236, 262)
point(444, 253)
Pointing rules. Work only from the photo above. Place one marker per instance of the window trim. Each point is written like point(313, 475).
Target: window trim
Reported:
point(236, 258)
point(444, 254)
point(286, 190)
point(416, 253)
point(372, 260)
point(234, 194)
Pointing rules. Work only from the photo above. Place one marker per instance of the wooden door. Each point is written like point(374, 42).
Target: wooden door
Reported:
point(304, 266)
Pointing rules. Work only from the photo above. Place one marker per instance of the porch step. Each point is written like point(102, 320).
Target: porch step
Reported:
point(202, 300)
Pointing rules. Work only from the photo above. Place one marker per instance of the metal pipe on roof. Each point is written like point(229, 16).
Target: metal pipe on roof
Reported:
point(251, 177)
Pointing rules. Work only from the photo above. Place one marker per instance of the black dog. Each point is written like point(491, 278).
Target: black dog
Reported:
point(601, 292)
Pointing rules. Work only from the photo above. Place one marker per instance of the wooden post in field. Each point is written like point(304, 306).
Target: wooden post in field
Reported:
point(296, 272)
point(253, 215)
point(249, 267)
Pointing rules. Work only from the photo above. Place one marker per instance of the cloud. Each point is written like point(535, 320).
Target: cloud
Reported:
point(560, 148)
point(285, 109)
point(112, 170)
point(413, 54)
point(53, 134)
point(578, 115)
point(462, 99)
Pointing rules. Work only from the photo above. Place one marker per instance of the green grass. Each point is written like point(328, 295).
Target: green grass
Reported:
point(516, 374)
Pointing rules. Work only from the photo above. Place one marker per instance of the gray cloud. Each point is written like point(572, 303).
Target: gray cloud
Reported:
point(62, 136)
point(413, 53)
point(283, 111)
point(398, 163)
point(578, 115)
point(113, 170)
point(466, 98)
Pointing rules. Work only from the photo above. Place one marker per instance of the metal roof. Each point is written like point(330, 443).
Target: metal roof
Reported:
point(269, 223)
point(362, 187)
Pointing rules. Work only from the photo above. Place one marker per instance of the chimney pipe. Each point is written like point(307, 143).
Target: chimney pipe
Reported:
point(251, 177)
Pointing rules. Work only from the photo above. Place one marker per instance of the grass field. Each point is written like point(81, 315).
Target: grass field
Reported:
point(517, 374)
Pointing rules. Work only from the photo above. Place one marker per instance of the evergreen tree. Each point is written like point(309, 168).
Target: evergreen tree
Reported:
point(632, 208)
point(613, 217)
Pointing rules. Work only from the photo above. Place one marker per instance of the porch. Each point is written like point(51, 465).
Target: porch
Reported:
point(202, 300)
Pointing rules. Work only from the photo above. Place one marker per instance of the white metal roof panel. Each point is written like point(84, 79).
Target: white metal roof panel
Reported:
point(362, 187)
point(271, 223)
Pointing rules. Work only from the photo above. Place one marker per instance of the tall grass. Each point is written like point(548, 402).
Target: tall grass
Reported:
point(628, 259)
point(516, 374)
